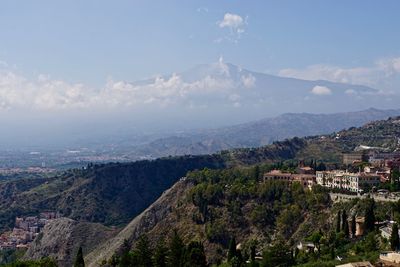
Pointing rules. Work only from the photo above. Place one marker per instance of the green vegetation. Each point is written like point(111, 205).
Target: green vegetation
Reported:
point(45, 262)
point(394, 238)
point(175, 254)
point(229, 201)
point(79, 261)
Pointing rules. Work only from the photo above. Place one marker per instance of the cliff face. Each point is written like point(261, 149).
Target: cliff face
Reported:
point(61, 238)
point(143, 223)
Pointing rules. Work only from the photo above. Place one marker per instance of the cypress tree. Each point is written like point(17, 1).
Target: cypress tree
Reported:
point(79, 261)
point(345, 224)
point(394, 238)
point(370, 215)
point(338, 222)
point(353, 226)
point(232, 249)
point(252, 253)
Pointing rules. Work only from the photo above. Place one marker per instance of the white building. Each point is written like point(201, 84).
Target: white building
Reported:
point(354, 182)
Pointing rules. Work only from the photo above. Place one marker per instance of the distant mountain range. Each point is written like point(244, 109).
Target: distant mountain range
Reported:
point(255, 134)
point(206, 96)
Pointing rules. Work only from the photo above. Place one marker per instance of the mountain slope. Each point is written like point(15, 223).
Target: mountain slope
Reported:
point(144, 222)
point(106, 196)
point(114, 193)
point(61, 238)
point(111, 193)
point(258, 133)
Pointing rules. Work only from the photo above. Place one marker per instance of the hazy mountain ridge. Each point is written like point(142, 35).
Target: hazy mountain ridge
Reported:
point(259, 133)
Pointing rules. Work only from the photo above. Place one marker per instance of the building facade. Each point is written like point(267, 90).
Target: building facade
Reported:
point(354, 182)
point(306, 180)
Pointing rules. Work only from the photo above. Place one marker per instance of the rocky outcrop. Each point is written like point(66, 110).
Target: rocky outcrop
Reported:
point(61, 238)
point(140, 224)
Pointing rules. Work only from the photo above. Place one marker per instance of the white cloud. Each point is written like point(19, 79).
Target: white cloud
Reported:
point(382, 74)
point(248, 80)
point(350, 92)
point(236, 25)
point(232, 21)
point(202, 10)
point(47, 94)
point(321, 90)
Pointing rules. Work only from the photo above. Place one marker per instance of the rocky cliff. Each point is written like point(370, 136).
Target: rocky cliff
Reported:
point(141, 224)
point(61, 238)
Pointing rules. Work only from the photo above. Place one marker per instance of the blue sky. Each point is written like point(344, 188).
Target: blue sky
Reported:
point(74, 63)
point(88, 41)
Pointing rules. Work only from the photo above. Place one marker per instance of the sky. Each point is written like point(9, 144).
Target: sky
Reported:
point(68, 58)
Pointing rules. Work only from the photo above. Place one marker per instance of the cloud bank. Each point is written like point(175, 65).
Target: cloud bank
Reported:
point(382, 74)
point(45, 93)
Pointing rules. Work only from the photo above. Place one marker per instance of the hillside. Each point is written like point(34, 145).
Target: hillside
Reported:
point(214, 206)
point(60, 240)
point(146, 221)
point(116, 193)
point(111, 194)
point(105, 193)
point(257, 133)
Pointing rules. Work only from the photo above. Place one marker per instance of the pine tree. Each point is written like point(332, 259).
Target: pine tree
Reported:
point(353, 226)
point(345, 224)
point(160, 255)
point(338, 221)
point(79, 261)
point(125, 255)
point(143, 253)
point(394, 238)
point(177, 249)
point(232, 249)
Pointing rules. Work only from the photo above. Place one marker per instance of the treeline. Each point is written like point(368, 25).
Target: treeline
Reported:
point(45, 262)
point(172, 254)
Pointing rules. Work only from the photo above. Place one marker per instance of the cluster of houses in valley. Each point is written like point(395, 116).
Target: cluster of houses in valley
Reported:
point(378, 169)
point(25, 230)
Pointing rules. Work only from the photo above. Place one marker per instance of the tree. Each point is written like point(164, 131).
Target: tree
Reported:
point(345, 224)
point(79, 261)
point(253, 253)
point(316, 239)
point(394, 238)
point(194, 255)
point(370, 243)
point(160, 255)
point(142, 253)
point(232, 249)
point(338, 221)
point(369, 222)
point(177, 249)
point(125, 255)
point(353, 226)
point(277, 255)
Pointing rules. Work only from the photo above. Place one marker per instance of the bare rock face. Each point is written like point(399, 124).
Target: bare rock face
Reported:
point(140, 224)
point(61, 238)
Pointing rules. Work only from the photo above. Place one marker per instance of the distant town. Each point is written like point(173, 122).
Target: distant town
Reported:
point(25, 230)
